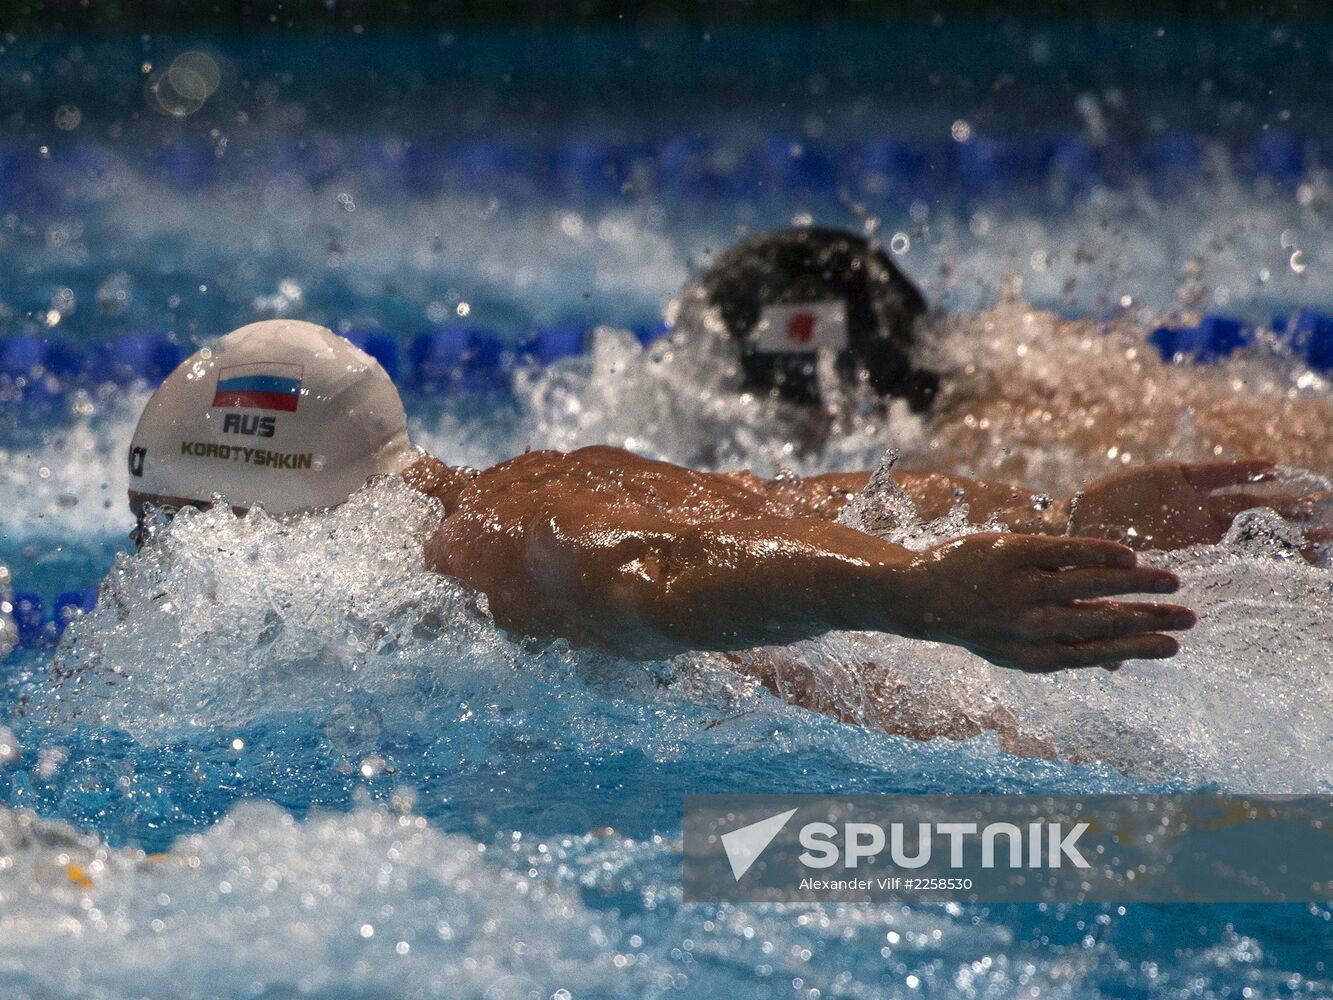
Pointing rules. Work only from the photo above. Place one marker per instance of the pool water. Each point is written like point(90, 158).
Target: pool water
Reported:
point(282, 759)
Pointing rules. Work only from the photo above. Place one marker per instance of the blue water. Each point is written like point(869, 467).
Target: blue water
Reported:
point(358, 785)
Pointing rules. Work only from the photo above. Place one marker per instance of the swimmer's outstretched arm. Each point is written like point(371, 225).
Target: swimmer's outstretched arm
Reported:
point(584, 565)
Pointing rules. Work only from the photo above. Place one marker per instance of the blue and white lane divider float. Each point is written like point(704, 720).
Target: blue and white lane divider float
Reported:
point(1310, 335)
point(121, 360)
point(1213, 338)
point(1307, 333)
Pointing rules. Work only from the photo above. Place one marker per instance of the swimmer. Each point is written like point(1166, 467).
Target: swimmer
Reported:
point(646, 559)
point(787, 297)
point(821, 316)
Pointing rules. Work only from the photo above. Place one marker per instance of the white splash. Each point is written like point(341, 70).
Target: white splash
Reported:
point(1244, 704)
point(224, 619)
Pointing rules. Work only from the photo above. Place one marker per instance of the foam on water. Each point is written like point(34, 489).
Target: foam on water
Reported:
point(1244, 705)
point(374, 903)
point(366, 904)
point(224, 618)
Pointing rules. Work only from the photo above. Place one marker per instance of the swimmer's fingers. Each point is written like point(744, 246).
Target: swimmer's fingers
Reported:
point(1089, 582)
point(1219, 475)
point(1099, 653)
point(1084, 621)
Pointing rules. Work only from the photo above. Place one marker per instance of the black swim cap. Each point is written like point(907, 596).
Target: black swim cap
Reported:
point(784, 294)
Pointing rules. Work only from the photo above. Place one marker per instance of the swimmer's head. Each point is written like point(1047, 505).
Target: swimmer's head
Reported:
point(281, 414)
point(787, 295)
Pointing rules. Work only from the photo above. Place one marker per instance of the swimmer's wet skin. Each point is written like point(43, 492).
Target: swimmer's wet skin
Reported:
point(647, 559)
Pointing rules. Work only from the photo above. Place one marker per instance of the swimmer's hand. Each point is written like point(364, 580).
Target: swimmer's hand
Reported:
point(1170, 505)
point(1039, 604)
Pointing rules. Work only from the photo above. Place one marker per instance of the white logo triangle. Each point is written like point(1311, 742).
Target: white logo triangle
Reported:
point(744, 846)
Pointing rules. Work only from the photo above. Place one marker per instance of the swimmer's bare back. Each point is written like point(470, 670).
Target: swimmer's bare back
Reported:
point(646, 559)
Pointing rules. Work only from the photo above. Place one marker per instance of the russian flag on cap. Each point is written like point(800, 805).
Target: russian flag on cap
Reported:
point(268, 386)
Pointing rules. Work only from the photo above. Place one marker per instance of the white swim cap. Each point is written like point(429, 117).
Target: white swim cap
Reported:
point(281, 414)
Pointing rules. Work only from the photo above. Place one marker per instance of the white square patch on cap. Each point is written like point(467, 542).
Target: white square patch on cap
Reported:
point(801, 327)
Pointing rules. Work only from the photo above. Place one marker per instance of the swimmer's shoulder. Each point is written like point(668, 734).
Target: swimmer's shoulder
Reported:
point(538, 482)
point(544, 471)
point(592, 460)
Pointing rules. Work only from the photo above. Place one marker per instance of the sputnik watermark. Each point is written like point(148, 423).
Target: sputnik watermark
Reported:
point(1194, 847)
point(826, 846)
point(1046, 843)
